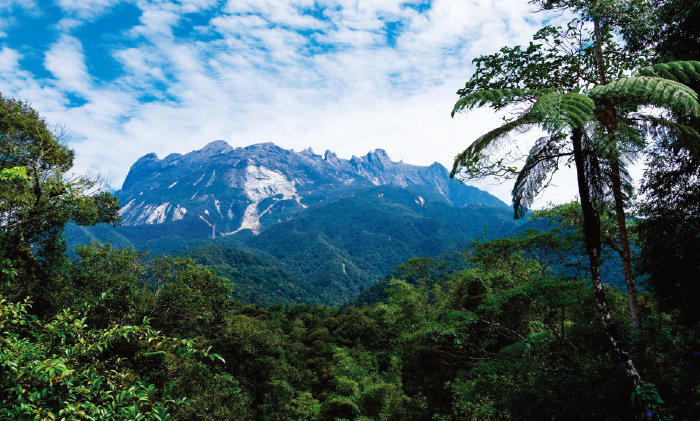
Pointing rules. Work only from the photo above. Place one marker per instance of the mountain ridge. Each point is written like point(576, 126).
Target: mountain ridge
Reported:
point(249, 188)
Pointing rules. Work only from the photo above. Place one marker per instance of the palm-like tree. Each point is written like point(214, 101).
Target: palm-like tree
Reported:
point(590, 128)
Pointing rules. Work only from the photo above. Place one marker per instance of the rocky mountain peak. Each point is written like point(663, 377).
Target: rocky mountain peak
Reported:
point(216, 147)
point(148, 158)
point(256, 186)
point(380, 155)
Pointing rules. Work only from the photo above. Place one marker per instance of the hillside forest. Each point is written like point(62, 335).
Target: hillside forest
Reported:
point(526, 326)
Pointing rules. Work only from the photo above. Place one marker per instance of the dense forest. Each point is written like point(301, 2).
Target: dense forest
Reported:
point(512, 328)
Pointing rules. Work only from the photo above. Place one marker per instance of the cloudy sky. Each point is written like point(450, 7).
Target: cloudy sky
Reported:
point(130, 77)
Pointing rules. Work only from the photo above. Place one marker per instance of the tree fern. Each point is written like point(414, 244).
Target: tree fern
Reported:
point(626, 143)
point(563, 111)
point(493, 97)
point(686, 72)
point(490, 140)
point(540, 163)
point(646, 90)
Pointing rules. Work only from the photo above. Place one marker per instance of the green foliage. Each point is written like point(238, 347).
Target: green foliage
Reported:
point(668, 28)
point(118, 272)
point(685, 72)
point(14, 174)
point(513, 336)
point(653, 408)
point(193, 300)
point(646, 90)
point(331, 252)
point(62, 368)
point(37, 199)
point(493, 97)
point(340, 249)
point(259, 278)
point(558, 112)
point(512, 333)
point(669, 232)
point(558, 59)
point(602, 135)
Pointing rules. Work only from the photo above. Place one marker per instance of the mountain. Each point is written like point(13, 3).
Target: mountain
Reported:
point(295, 225)
point(219, 190)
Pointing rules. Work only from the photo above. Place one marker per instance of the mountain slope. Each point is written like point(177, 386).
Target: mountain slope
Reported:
point(258, 278)
point(342, 247)
point(329, 225)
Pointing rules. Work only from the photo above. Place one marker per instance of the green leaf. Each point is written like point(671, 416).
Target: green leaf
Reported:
point(645, 91)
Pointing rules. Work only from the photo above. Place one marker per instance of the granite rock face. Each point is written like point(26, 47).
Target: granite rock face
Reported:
point(234, 190)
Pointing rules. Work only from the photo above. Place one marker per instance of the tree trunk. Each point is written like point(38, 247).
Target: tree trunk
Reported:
point(599, 51)
point(591, 234)
point(624, 251)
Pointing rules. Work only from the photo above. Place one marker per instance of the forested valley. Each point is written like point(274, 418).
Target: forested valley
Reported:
point(523, 327)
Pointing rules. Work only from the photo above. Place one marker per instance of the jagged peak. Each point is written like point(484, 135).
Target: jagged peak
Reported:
point(381, 153)
point(262, 145)
point(149, 157)
point(438, 169)
point(218, 146)
point(308, 152)
point(172, 156)
point(377, 155)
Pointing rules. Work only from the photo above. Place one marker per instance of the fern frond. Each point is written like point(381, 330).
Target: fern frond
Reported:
point(627, 181)
point(540, 163)
point(612, 159)
point(494, 97)
point(646, 90)
point(627, 142)
point(558, 112)
point(684, 72)
point(630, 137)
point(490, 140)
point(661, 129)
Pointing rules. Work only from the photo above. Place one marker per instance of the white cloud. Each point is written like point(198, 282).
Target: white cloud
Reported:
point(82, 9)
point(66, 62)
point(9, 59)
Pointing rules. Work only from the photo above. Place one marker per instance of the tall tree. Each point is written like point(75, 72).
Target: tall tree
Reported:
point(573, 59)
point(603, 15)
point(35, 207)
point(583, 55)
point(576, 116)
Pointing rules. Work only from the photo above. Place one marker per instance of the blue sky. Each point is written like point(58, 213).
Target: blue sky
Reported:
point(125, 78)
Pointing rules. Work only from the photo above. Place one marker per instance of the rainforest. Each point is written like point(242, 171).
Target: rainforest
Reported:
point(367, 289)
